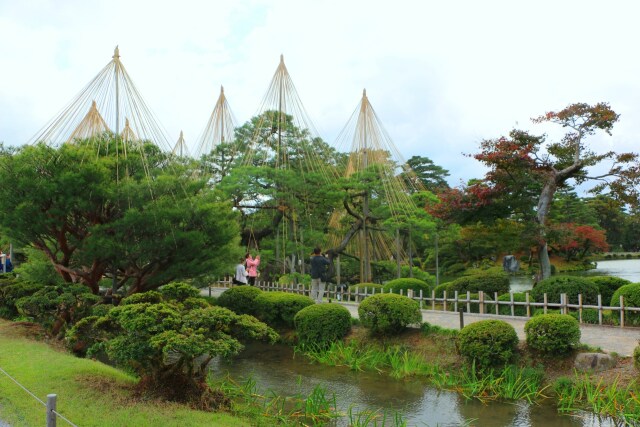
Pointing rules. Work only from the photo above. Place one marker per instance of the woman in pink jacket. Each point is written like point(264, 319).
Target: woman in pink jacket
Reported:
point(252, 267)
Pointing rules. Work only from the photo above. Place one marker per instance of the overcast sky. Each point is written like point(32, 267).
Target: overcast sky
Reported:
point(441, 75)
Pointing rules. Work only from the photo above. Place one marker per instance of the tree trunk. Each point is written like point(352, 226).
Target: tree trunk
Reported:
point(544, 205)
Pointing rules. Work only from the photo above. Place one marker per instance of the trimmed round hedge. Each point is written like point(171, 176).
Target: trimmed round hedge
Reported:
point(608, 285)
point(239, 299)
point(441, 288)
point(488, 343)
point(407, 283)
point(552, 333)
point(385, 314)
point(519, 310)
point(570, 285)
point(631, 294)
point(367, 286)
point(279, 308)
point(488, 283)
point(322, 324)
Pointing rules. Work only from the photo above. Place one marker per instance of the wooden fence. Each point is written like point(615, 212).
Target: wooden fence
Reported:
point(485, 303)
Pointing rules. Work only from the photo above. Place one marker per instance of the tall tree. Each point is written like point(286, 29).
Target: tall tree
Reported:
point(429, 175)
point(96, 213)
point(523, 159)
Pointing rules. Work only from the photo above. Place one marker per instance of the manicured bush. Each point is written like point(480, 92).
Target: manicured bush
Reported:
point(405, 284)
point(10, 292)
point(589, 315)
point(279, 308)
point(322, 323)
point(485, 282)
point(487, 343)
point(385, 314)
point(369, 286)
point(239, 299)
point(552, 333)
point(570, 285)
point(607, 285)
point(56, 307)
point(519, 310)
point(631, 294)
point(179, 291)
point(443, 287)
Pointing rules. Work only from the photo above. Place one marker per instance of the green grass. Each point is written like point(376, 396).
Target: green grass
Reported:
point(89, 393)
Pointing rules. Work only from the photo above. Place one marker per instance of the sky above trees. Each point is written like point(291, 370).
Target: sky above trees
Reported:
point(442, 76)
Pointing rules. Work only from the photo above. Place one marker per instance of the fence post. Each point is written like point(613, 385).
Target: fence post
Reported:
point(599, 309)
point(513, 308)
point(580, 307)
point(444, 302)
point(433, 299)
point(545, 303)
point(455, 302)
point(51, 407)
point(495, 295)
point(421, 299)
point(468, 301)
point(528, 304)
point(621, 311)
point(481, 298)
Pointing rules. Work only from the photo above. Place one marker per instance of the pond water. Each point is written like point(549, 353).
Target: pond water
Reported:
point(624, 268)
point(275, 369)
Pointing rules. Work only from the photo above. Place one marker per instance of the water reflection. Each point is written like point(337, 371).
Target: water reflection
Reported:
point(624, 268)
point(274, 368)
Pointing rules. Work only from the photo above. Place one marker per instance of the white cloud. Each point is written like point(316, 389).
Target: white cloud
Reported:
point(442, 76)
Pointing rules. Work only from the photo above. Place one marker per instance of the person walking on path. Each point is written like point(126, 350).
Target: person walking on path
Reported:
point(319, 266)
point(252, 267)
point(240, 278)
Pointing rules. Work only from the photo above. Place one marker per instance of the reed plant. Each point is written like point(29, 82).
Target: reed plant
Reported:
point(620, 403)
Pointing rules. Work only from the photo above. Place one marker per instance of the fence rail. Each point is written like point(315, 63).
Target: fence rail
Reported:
point(51, 413)
point(486, 303)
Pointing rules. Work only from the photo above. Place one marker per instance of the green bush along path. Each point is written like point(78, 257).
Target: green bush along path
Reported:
point(608, 338)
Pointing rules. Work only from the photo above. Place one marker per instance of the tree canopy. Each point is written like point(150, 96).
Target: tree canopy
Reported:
point(150, 225)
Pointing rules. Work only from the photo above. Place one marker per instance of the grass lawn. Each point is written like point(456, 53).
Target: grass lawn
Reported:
point(89, 393)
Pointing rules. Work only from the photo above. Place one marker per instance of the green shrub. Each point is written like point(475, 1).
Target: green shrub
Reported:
point(151, 297)
point(519, 310)
point(486, 282)
point(570, 285)
point(607, 285)
point(179, 291)
point(487, 343)
point(589, 315)
point(636, 357)
point(56, 307)
point(405, 284)
point(239, 299)
point(279, 308)
point(322, 323)
point(631, 294)
point(10, 292)
point(369, 286)
point(552, 333)
point(443, 287)
point(388, 313)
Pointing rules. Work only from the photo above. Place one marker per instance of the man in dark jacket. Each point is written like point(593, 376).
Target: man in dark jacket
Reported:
point(319, 267)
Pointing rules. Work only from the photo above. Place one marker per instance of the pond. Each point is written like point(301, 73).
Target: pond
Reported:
point(624, 268)
point(275, 369)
